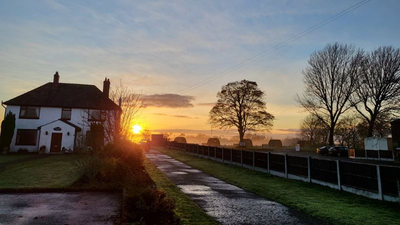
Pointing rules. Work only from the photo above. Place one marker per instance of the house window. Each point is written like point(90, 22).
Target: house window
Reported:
point(66, 114)
point(29, 112)
point(26, 137)
point(97, 115)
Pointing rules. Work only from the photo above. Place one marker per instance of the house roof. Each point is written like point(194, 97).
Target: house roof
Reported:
point(77, 128)
point(66, 96)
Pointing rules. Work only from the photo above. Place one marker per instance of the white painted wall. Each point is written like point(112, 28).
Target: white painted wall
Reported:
point(47, 115)
point(67, 140)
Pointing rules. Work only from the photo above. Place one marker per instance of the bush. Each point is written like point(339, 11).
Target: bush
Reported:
point(88, 167)
point(150, 207)
point(120, 165)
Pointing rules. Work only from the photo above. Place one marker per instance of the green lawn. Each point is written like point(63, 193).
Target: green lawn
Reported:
point(9, 158)
point(326, 204)
point(186, 209)
point(56, 171)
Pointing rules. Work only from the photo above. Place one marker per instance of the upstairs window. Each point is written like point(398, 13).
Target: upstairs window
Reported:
point(97, 115)
point(29, 112)
point(66, 114)
point(26, 137)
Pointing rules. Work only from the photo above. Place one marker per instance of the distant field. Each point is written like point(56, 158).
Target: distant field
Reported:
point(326, 204)
point(274, 149)
point(56, 171)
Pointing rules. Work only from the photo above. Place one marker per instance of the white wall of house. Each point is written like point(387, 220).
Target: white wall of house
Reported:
point(47, 115)
point(67, 131)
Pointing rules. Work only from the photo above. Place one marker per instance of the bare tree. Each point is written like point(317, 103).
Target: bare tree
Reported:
point(329, 81)
point(349, 132)
point(241, 104)
point(117, 123)
point(131, 104)
point(313, 130)
point(378, 89)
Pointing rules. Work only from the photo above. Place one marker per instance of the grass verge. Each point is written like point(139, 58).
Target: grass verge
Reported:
point(325, 204)
point(47, 172)
point(186, 209)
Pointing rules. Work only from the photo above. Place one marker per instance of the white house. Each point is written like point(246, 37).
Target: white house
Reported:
point(58, 115)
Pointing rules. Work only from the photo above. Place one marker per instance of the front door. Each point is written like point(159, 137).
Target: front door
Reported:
point(55, 142)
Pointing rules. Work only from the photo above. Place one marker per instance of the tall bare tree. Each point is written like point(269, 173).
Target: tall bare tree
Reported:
point(329, 81)
point(241, 104)
point(378, 89)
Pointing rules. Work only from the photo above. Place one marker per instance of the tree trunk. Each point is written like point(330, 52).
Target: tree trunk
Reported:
point(241, 135)
point(331, 130)
point(371, 127)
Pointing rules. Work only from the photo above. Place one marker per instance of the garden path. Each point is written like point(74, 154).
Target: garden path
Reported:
point(226, 203)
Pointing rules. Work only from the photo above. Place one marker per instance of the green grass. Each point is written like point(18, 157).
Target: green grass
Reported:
point(9, 158)
point(325, 204)
point(55, 171)
point(186, 209)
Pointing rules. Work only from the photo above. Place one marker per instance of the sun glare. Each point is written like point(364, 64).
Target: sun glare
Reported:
point(136, 129)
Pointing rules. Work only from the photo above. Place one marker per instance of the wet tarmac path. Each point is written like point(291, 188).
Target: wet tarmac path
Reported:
point(226, 203)
point(87, 208)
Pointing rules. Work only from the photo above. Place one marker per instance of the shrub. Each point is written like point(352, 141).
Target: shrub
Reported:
point(120, 165)
point(88, 167)
point(150, 207)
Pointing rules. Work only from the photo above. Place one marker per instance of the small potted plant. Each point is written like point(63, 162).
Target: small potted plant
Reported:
point(42, 149)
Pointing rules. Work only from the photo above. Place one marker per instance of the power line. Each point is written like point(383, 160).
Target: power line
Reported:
point(275, 47)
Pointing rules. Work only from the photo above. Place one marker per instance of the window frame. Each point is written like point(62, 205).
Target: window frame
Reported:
point(26, 109)
point(18, 137)
point(102, 114)
point(66, 110)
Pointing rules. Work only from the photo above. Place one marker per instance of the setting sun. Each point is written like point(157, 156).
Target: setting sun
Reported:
point(136, 129)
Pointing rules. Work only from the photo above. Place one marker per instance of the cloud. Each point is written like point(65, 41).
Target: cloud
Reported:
point(177, 116)
point(168, 101)
point(292, 130)
point(211, 104)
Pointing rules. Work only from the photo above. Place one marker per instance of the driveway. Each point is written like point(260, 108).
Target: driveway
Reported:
point(226, 203)
point(59, 208)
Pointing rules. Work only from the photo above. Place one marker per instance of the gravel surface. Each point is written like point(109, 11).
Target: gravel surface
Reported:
point(228, 204)
point(59, 208)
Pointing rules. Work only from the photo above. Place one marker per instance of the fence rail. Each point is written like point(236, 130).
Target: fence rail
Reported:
point(373, 181)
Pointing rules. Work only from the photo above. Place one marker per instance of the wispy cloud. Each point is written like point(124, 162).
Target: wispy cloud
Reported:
point(168, 101)
point(289, 130)
point(177, 116)
point(211, 104)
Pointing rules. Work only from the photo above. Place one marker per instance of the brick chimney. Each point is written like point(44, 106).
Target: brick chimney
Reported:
point(56, 79)
point(106, 87)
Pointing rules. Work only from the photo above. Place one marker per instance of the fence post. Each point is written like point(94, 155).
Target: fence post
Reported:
point(338, 174)
point(378, 178)
point(223, 152)
point(309, 168)
point(215, 153)
point(241, 158)
point(268, 154)
point(208, 149)
point(197, 150)
point(254, 160)
point(286, 166)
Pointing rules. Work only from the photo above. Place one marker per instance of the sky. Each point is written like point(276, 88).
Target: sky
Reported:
point(178, 54)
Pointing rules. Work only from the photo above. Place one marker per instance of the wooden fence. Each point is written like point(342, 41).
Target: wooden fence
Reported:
point(373, 181)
